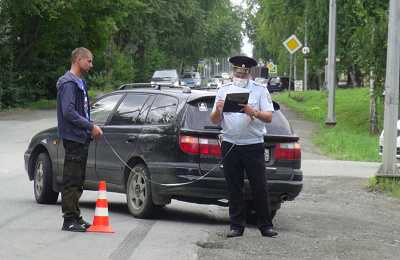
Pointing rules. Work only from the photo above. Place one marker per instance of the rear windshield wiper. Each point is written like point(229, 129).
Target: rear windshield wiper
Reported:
point(213, 127)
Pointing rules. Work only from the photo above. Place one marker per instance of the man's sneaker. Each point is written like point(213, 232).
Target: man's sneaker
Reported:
point(72, 225)
point(85, 224)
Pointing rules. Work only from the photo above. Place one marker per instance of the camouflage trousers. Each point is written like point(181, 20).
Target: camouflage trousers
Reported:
point(74, 175)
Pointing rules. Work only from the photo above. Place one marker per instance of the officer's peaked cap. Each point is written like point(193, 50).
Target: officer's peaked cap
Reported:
point(242, 64)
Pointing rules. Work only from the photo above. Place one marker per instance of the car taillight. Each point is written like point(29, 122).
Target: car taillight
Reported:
point(280, 84)
point(289, 151)
point(201, 146)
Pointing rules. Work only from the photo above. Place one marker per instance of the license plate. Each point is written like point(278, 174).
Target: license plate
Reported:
point(266, 155)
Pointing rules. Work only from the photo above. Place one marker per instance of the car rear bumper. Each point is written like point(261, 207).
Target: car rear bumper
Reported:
point(275, 89)
point(196, 188)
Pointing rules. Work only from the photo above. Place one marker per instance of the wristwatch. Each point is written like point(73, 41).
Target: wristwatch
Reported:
point(255, 113)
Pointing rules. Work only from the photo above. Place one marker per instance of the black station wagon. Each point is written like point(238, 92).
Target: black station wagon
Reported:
point(159, 144)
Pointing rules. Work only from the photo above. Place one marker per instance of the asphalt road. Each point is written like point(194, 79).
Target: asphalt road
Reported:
point(333, 218)
point(33, 231)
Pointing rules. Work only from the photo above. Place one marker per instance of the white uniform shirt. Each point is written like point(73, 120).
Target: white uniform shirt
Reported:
point(233, 123)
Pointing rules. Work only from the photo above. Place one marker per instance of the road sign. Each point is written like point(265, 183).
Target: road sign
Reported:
point(201, 64)
point(274, 70)
point(270, 65)
point(305, 50)
point(292, 44)
point(298, 85)
point(217, 63)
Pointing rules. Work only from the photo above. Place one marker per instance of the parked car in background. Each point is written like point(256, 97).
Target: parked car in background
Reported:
point(285, 82)
point(214, 83)
point(398, 141)
point(191, 79)
point(167, 77)
point(261, 81)
point(159, 144)
point(275, 85)
point(225, 77)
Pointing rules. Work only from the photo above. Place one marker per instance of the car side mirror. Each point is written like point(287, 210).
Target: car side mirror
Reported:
point(276, 105)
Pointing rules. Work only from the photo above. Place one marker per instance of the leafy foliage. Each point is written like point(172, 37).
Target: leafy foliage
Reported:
point(361, 36)
point(129, 40)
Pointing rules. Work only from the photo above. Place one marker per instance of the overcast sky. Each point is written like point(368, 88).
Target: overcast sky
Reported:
point(247, 48)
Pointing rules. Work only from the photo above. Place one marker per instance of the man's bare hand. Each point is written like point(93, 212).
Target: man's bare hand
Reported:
point(96, 132)
point(220, 105)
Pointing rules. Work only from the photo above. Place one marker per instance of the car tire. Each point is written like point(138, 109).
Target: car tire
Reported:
point(138, 194)
point(43, 180)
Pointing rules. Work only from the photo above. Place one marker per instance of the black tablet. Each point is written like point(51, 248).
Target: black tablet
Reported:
point(233, 100)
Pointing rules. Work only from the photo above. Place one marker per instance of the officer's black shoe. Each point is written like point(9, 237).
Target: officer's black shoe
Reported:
point(235, 233)
point(268, 232)
point(72, 225)
point(83, 223)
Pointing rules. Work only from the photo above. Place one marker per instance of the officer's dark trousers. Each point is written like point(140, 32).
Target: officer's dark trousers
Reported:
point(74, 175)
point(251, 159)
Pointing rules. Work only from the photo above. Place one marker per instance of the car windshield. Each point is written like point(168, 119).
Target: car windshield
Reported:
point(261, 80)
point(191, 76)
point(164, 74)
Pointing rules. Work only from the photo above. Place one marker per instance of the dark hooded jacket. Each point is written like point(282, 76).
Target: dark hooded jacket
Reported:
point(72, 122)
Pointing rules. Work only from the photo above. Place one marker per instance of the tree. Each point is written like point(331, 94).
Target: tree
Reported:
point(361, 44)
point(39, 36)
point(129, 40)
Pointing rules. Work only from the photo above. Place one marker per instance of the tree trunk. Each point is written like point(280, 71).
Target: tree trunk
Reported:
point(373, 117)
point(353, 76)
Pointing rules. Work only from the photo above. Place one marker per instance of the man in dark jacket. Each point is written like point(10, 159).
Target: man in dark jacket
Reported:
point(76, 129)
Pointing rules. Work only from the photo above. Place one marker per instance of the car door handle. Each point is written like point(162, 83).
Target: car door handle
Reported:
point(130, 140)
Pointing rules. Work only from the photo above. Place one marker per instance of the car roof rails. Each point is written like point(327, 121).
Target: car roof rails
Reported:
point(156, 86)
point(134, 85)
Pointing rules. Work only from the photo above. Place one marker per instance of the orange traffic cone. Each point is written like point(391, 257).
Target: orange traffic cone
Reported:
point(100, 220)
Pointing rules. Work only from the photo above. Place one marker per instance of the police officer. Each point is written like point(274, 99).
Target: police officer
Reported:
point(242, 147)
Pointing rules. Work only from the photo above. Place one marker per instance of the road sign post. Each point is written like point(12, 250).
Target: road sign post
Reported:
point(292, 44)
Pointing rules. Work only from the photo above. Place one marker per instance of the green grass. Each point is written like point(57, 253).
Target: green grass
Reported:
point(41, 104)
point(349, 139)
point(389, 187)
point(45, 103)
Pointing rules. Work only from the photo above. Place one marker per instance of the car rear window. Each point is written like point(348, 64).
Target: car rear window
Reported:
point(275, 80)
point(198, 114)
point(198, 118)
point(279, 125)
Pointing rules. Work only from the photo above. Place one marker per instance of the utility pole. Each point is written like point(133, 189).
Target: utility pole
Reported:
point(305, 59)
point(330, 120)
point(389, 167)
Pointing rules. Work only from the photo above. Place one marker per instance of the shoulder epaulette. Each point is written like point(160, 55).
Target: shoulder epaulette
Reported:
point(226, 84)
